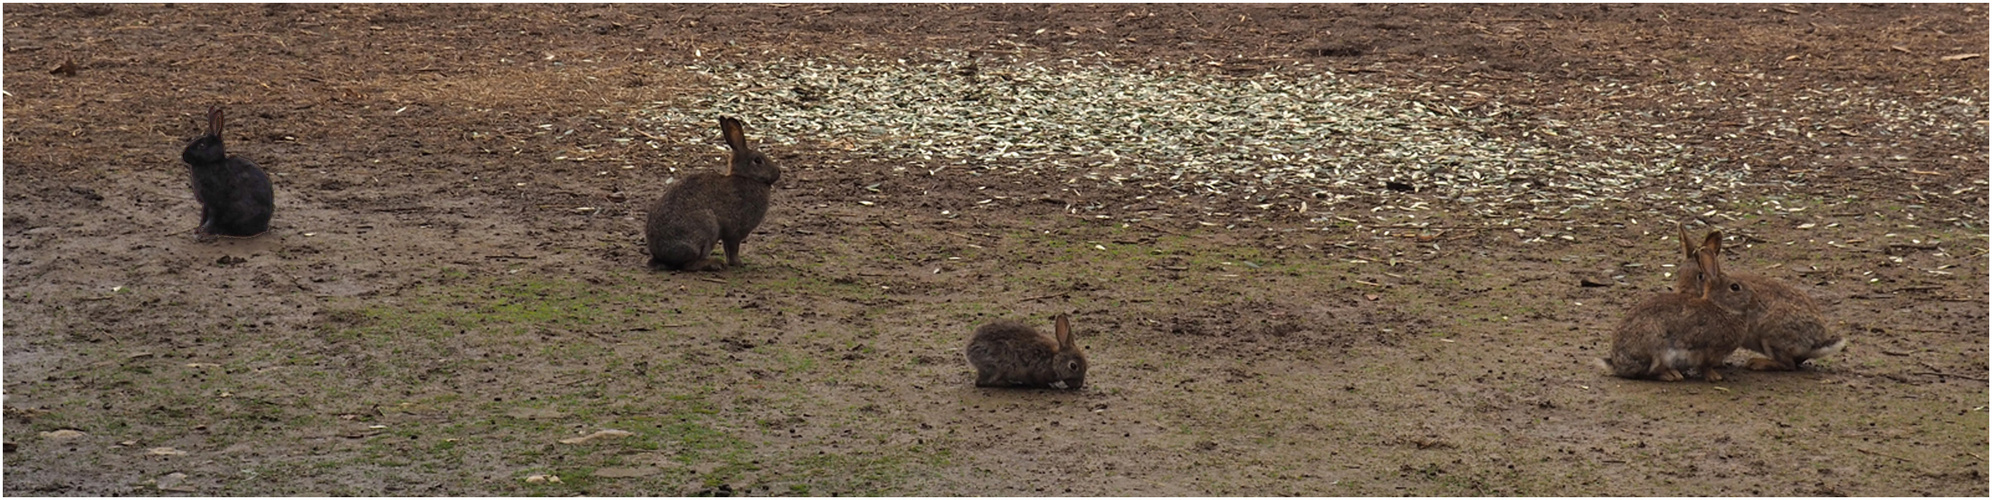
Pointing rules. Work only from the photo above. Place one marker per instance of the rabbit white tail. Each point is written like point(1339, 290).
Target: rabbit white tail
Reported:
point(1826, 350)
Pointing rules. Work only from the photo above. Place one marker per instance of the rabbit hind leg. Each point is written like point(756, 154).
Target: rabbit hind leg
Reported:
point(988, 379)
point(1770, 365)
point(1661, 369)
point(708, 264)
point(1710, 374)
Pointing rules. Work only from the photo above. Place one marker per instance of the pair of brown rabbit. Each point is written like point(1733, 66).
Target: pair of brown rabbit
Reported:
point(1710, 314)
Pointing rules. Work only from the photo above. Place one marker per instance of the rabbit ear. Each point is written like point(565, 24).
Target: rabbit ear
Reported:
point(1687, 242)
point(1064, 332)
point(1711, 247)
point(736, 137)
point(214, 121)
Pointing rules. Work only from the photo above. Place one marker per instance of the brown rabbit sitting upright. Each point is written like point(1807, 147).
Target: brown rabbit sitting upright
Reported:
point(1789, 331)
point(1007, 353)
point(1670, 333)
point(711, 207)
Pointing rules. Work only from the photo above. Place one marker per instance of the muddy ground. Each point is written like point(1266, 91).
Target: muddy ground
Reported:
point(447, 294)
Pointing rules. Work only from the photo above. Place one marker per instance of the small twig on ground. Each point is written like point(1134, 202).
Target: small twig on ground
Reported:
point(1897, 378)
point(1940, 374)
point(714, 280)
point(510, 256)
point(1879, 454)
point(294, 281)
point(1059, 294)
point(652, 137)
point(361, 434)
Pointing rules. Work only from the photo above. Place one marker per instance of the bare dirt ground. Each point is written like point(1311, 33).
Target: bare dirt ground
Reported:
point(453, 283)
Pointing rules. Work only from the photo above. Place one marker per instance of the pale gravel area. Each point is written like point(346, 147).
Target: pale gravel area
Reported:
point(1279, 139)
point(1181, 131)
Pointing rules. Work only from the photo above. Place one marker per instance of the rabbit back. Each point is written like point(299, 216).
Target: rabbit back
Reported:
point(1006, 352)
point(1671, 334)
point(244, 205)
point(1788, 337)
point(1790, 329)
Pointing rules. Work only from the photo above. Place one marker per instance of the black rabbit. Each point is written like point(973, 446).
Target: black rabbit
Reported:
point(235, 195)
point(710, 207)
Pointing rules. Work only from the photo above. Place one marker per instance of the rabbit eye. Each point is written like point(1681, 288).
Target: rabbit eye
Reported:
point(1735, 287)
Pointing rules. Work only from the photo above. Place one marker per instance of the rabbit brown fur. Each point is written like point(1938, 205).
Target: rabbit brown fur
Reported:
point(235, 195)
point(710, 207)
point(1789, 330)
point(1007, 353)
point(1669, 333)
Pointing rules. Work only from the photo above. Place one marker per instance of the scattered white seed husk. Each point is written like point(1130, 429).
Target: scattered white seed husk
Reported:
point(1190, 132)
point(604, 433)
point(63, 434)
point(1262, 136)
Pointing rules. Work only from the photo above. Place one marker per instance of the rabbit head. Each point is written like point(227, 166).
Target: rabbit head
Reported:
point(1729, 295)
point(206, 149)
point(1070, 362)
point(747, 162)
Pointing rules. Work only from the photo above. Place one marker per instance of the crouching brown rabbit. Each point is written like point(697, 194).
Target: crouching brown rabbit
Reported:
point(1788, 332)
point(235, 195)
point(1006, 353)
point(1671, 333)
point(710, 207)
